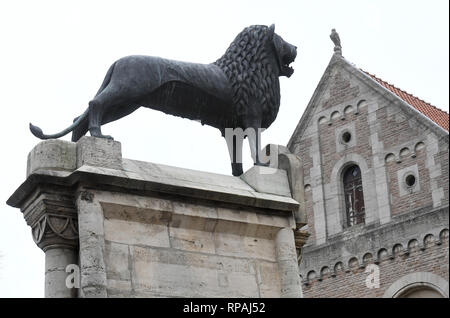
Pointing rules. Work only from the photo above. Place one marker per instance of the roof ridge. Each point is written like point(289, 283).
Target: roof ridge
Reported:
point(412, 95)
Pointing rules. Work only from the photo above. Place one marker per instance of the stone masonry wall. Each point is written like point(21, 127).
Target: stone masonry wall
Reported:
point(404, 202)
point(303, 147)
point(330, 131)
point(156, 247)
point(351, 282)
point(138, 229)
point(403, 145)
point(443, 181)
point(389, 142)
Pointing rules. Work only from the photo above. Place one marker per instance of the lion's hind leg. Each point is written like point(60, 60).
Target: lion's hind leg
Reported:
point(96, 111)
point(111, 104)
point(104, 102)
point(80, 130)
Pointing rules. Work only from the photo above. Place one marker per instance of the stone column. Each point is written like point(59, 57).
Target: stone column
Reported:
point(52, 216)
point(103, 153)
point(51, 213)
point(287, 261)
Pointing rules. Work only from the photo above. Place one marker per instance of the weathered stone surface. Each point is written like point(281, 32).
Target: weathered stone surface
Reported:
point(99, 152)
point(136, 233)
point(287, 264)
point(192, 234)
point(52, 155)
point(185, 274)
point(268, 279)
point(388, 139)
point(95, 166)
point(172, 262)
point(147, 230)
point(239, 240)
point(56, 261)
point(268, 180)
point(293, 166)
point(92, 245)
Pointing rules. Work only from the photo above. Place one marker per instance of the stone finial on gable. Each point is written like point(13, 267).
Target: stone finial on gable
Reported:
point(334, 36)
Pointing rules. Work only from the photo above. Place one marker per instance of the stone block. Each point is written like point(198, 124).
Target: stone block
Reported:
point(134, 233)
point(99, 152)
point(245, 241)
point(117, 261)
point(185, 274)
point(51, 155)
point(119, 288)
point(191, 234)
point(268, 180)
point(269, 281)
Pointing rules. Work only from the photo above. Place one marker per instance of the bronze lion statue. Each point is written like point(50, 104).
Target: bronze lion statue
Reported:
point(240, 90)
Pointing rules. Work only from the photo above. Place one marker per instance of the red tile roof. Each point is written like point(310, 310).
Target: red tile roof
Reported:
point(437, 115)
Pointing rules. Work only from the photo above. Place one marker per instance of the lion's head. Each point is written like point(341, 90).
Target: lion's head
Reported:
point(253, 62)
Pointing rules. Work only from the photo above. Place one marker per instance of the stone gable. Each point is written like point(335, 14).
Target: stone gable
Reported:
point(403, 158)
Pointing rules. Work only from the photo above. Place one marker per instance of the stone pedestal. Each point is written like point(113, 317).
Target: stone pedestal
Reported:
point(138, 229)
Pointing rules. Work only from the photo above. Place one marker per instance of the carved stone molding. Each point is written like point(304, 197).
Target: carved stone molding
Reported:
point(51, 214)
point(423, 241)
point(300, 237)
point(52, 229)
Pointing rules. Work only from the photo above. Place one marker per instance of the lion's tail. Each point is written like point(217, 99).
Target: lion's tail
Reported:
point(38, 131)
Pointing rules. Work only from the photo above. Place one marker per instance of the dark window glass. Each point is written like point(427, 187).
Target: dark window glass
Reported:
point(354, 197)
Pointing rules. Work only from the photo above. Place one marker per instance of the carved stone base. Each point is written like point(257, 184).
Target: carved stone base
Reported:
point(138, 229)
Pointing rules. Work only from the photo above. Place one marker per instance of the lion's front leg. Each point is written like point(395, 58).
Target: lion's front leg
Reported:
point(253, 132)
point(234, 144)
point(254, 142)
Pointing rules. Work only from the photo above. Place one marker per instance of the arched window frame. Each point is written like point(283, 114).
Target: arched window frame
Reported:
point(334, 195)
point(353, 195)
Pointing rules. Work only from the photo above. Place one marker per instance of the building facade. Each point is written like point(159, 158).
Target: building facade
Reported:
point(375, 168)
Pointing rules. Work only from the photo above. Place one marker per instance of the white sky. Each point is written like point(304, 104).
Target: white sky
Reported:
point(54, 55)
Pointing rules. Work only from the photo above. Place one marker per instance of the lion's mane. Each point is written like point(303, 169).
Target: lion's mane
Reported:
point(247, 65)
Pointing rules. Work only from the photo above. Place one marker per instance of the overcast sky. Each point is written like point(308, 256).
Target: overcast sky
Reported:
point(55, 54)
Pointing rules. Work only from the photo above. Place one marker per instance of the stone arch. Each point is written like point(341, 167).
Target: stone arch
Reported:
point(324, 271)
point(404, 152)
point(428, 240)
point(338, 267)
point(360, 104)
point(367, 258)
point(420, 145)
point(443, 235)
point(413, 245)
point(335, 115)
point(417, 280)
point(353, 263)
point(390, 157)
point(322, 120)
point(382, 255)
point(397, 249)
point(348, 109)
point(310, 276)
point(337, 191)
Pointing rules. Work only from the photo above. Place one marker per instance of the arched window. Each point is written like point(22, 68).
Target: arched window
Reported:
point(354, 196)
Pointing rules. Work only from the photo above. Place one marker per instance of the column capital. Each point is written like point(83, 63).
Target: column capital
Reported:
point(51, 213)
